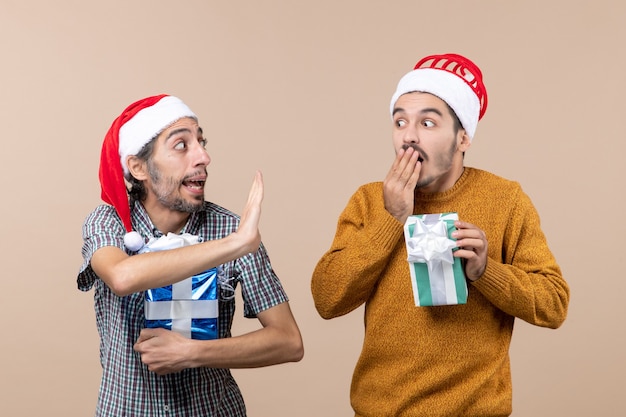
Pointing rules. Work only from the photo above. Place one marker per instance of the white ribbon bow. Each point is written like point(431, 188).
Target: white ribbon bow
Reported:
point(430, 242)
point(169, 241)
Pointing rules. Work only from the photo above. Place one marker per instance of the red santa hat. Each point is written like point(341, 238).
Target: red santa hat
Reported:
point(454, 79)
point(138, 124)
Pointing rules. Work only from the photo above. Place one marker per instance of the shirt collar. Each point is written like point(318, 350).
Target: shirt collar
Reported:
point(144, 226)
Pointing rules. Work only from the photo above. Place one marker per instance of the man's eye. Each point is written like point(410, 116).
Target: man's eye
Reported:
point(203, 142)
point(179, 145)
point(400, 123)
point(429, 123)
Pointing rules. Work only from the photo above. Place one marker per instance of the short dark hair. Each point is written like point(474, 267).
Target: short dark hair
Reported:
point(457, 122)
point(455, 118)
point(137, 191)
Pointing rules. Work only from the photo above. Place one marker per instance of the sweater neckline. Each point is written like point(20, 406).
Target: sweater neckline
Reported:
point(467, 172)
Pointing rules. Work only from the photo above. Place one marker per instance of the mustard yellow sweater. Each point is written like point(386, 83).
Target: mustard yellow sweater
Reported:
point(446, 360)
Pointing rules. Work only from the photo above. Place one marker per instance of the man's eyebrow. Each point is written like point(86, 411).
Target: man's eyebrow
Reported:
point(181, 130)
point(423, 111)
point(176, 132)
point(431, 110)
point(397, 110)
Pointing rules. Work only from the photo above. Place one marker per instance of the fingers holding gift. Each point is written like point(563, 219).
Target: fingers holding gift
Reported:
point(472, 247)
point(162, 350)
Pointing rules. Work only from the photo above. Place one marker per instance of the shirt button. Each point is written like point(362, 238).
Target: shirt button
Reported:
point(166, 408)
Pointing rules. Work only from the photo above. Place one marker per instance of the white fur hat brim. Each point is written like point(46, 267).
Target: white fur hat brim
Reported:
point(147, 124)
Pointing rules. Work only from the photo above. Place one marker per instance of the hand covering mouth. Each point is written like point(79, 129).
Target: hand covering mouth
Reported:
point(414, 146)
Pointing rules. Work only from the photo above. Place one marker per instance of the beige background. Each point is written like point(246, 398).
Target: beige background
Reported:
point(301, 90)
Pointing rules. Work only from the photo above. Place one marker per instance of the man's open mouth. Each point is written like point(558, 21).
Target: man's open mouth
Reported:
point(195, 184)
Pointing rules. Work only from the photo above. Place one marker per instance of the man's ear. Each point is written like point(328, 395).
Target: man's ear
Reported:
point(137, 167)
point(464, 141)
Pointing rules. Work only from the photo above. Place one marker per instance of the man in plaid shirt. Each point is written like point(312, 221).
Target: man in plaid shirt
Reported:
point(157, 146)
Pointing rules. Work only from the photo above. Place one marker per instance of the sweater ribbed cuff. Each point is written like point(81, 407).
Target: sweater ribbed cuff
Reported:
point(387, 232)
point(494, 280)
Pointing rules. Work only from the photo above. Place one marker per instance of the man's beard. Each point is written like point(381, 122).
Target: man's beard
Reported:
point(163, 189)
point(442, 162)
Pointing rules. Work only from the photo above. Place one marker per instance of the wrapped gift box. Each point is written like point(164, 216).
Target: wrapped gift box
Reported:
point(189, 307)
point(437, 276)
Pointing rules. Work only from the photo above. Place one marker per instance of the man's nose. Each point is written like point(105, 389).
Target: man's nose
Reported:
point(201, 155)
point(410, 136)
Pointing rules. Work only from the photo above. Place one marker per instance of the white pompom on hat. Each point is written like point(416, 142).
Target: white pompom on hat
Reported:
point(138, 124)
point(455, 80)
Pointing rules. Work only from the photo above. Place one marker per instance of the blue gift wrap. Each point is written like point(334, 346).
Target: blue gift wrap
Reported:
point(189, 307)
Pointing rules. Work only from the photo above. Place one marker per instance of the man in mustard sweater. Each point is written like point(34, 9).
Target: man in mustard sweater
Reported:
point(448, 360)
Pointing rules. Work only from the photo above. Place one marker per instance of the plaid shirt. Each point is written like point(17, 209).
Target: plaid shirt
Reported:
point(127, 387)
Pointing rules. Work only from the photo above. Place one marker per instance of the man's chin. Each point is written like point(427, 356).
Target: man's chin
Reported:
point(188, 206)
point(422, 184)
point(196, 206)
